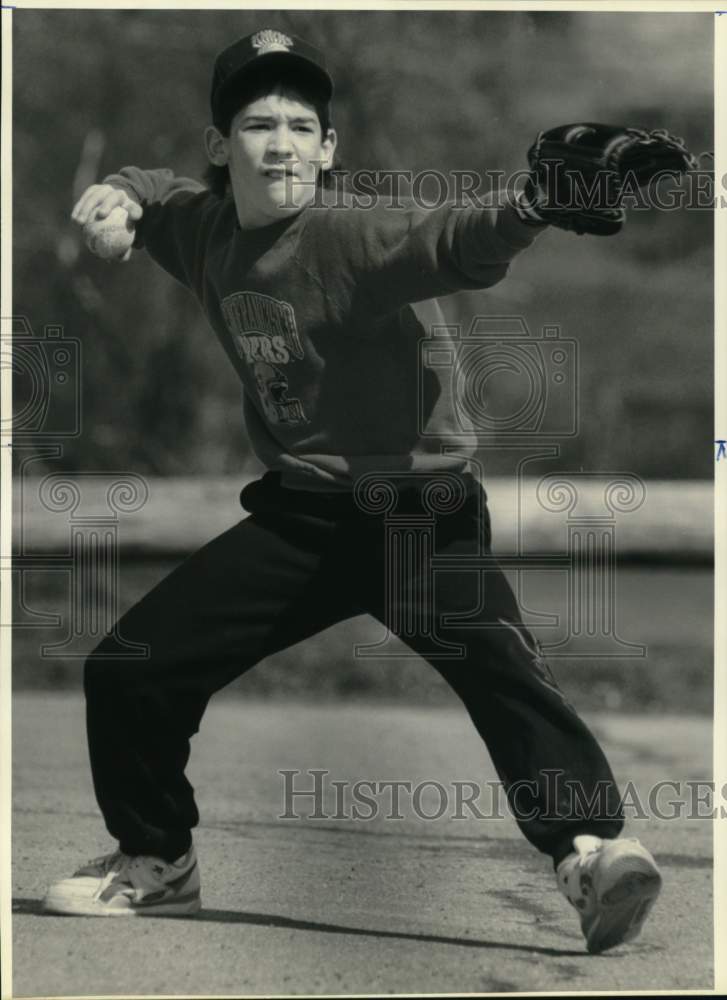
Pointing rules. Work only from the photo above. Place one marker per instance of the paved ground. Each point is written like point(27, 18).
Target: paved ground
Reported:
point(343, 906)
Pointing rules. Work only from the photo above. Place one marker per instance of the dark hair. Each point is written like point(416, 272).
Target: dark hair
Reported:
point(255, 86)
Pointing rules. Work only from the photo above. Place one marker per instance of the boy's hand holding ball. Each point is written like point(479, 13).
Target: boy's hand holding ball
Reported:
point(108, 218)
point(110, 237)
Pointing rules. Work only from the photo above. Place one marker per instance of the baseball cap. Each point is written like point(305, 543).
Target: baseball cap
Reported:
point(245, 57)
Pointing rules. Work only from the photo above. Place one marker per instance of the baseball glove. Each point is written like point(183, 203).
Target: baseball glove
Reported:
point(578, 173)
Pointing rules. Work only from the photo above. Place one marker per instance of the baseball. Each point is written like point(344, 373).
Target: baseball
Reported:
point(110, 238)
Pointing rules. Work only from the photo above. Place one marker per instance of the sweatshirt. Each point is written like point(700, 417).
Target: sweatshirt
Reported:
point(331, 321)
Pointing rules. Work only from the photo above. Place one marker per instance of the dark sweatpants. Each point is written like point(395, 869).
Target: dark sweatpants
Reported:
point(301, 562)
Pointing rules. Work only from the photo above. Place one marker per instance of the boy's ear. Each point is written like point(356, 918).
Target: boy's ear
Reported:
point(329, 149)
point(216, 146)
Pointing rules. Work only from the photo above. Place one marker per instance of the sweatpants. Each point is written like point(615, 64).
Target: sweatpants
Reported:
point(300, 562)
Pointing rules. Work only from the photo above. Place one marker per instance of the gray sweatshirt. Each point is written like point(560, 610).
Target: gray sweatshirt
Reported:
point(331, 321)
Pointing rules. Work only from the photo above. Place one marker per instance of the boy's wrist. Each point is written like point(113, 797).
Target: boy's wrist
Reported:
point(525, 202)
point(115, 181)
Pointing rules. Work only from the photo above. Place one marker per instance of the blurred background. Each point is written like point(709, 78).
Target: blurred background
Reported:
point(96, 90)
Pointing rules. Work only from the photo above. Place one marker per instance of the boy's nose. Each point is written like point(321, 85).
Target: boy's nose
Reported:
point(281, 142)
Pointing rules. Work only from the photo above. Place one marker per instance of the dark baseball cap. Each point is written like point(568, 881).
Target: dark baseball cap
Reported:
point(267, 47)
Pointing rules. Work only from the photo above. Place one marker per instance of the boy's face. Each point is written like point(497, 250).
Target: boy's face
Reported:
point(274, 151)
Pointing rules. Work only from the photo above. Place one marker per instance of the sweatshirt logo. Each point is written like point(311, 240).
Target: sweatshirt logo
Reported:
point(266, 336)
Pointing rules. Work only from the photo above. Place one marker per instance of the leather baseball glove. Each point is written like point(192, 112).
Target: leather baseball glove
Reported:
point(578, 173)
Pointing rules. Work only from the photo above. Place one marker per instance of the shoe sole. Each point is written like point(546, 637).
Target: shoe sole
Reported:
point(65, 907)
point(624, 908)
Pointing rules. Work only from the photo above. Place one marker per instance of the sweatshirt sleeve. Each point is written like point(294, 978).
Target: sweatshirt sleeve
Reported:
point(398, 256)
point(179, 214)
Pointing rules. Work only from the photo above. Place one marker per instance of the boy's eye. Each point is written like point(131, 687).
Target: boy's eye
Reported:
point(268, 126)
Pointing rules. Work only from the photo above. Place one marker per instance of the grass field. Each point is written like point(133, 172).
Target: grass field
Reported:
point(667, 610)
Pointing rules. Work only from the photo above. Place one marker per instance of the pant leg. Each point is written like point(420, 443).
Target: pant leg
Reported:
point(557, 778)
point(265, 584)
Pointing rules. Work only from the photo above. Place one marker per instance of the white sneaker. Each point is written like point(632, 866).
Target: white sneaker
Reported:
point(118, 885)
point(613, 884)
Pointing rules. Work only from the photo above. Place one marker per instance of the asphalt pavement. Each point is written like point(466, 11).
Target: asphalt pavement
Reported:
point(354, 903)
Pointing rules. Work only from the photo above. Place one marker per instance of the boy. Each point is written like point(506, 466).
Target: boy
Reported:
point(317, 307)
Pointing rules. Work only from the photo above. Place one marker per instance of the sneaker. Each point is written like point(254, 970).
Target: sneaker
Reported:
point(118, 885)
point(613, 884)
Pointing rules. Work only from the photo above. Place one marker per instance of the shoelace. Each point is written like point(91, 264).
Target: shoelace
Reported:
point(105, 861)
point(112, 866)
point(572, 885)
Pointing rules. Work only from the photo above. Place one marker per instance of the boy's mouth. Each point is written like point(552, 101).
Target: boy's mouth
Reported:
point(279, 173)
